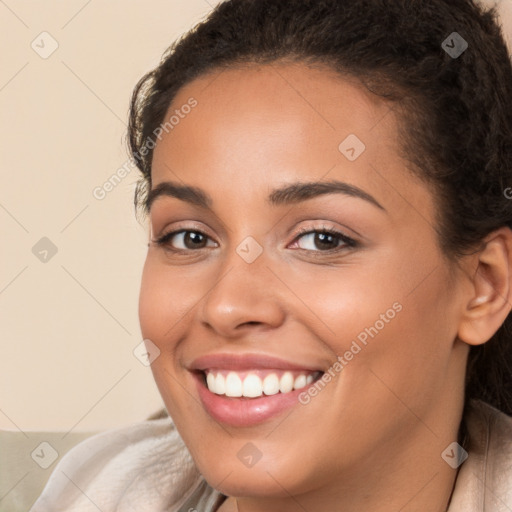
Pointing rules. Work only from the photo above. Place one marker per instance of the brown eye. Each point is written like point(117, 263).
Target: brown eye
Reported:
point(186, 240)
point(324, 240)
point(194, 240)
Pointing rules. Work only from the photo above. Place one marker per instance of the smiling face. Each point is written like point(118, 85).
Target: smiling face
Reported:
point(250, 272)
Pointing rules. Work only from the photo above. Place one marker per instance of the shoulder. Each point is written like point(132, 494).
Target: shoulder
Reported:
point(490, 435)
point(145, 466)
point(484, 481)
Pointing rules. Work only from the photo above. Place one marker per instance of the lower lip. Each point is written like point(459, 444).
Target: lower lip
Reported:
point(245, 412)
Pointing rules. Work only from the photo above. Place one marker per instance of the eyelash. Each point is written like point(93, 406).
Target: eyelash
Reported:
point(347, 241)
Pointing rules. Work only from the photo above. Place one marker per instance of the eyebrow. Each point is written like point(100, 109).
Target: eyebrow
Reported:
point(289, 194)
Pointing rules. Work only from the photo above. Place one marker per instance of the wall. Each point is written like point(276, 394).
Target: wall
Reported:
point(71, 263)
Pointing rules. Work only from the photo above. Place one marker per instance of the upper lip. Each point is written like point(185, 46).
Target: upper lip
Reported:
point(246, 362)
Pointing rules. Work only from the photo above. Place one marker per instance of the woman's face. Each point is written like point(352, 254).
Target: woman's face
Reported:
point(250, 276)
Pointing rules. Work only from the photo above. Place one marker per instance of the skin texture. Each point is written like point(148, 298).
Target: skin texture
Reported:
point(372, 439)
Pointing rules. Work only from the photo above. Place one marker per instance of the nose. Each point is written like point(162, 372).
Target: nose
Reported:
point(244, 296)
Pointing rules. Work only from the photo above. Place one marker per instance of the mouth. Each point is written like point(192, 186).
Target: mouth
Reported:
point(247, 390)
point(257, 383)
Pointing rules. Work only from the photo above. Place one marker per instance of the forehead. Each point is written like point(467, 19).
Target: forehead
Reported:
point(289, 100)
point(280, 123)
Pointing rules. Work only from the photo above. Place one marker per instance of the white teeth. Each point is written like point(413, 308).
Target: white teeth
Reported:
point(220, 385)
point(300, 382)
point(210, 380)
point(233, 385)
point(253, 386)
point(271, 384)
point(286, 383)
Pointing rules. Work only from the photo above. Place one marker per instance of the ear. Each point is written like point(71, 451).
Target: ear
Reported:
point(490, 297)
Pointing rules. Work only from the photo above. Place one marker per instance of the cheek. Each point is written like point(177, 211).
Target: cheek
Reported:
point(406, 336)
point(166, 304)
point(401, 324)
point(164, 299)
point(159, 311)
point(151, 312)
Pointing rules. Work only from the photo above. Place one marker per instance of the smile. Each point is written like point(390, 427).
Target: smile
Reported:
point(256, 383)
point(243, 390)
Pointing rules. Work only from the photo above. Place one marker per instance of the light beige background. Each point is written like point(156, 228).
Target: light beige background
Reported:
point(69, 325)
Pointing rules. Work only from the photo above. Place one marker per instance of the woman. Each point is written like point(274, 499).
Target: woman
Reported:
point(327, 288)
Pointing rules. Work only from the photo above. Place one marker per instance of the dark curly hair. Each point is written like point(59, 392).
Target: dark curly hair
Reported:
point(455, 112)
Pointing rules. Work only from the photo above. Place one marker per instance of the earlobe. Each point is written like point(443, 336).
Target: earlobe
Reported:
point(491, 290)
